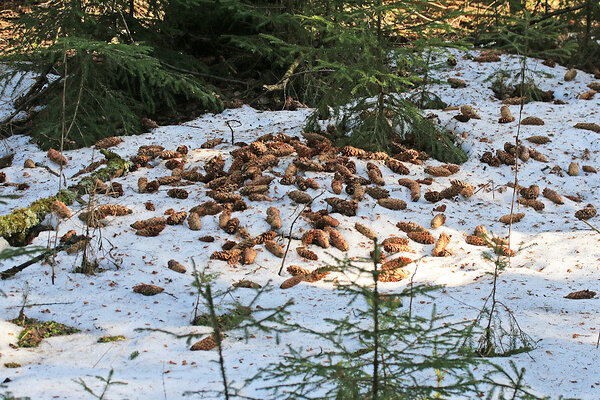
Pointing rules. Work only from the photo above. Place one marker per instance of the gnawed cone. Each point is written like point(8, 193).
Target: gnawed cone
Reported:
point(246, 284)
point(469, 111)
point(439, 250)
point(347, 208)
point(392, 204)
point(274, 218)
point(274, 248)
point(586, 213)
point(147, 290)
point(248, 255)
point(336, 239)
point(206, 344)
point(476, 240)
point(588, 95)
point(29, 163)
point(581, 295)
point(532, 121)
point(552, 196)
point(300, 197)
point(505, 115)
point(535, 204)
point(194, 221)
point(178, 193)
point(415, 188)
point(363, 230)
point(506, 219)
point(438, 221)
point(56, 157)
point(177, 218)
point(308, 254)
point(176, 266)
point(570, 75)
point(59, 208)
point(573, 169)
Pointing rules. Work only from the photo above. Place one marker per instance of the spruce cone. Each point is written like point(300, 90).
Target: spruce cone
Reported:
point(589, 169)
point(480, 231)
point(274, 248)
point(375, 175)
point(421, 237)
point(378, 193)
point(295, 270)
point(177, 218)
point(552, 196)
point(433, 196)
point(586, 213)
point(300, 197)
point(149, 222)
point(168, 180)
point(415, 188)
point(291, 282)
point(581, 294)
point(206, 239)
point(539, 139)
point(532, 192)
point(450, 192)
point(438, 221)
point(515, 218)
point(439, 250)
point(396, 263)
point(151, 151)
point(535, 204)
point(503, 251)
point(221, 197)
point(363, 230)
point(410, 227)
point(392, 204)
point(56, 157)
point(265, 236)
point(487, 58)
point(307, 254)
point(588, 126)
point(469, 111)
point(393, 275)
point(142, 184)
point(221, 255)
point(347, 208)
point(456, 83)
point(306, 164)
point(207, 208)
point(206, 344)
point(177, 193)
point(147, 290)
point(211, 143)
point(337, 240)
point(248, 190)
point(395, 244)
point(168, 154)
point(476, 240)
point(532, 121)
point(108, 142)
point(350, 151)
point(273, 218)
point(287, 180)
point(489, 159)
point(150, 231)
point(437, 171)
point(176, 266)
point(396, 166)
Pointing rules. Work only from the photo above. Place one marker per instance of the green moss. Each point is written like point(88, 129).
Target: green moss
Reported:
point(115, 167)
point(108, 339)
point(35, 331)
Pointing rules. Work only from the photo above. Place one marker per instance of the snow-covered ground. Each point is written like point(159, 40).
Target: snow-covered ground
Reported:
point(561, 253)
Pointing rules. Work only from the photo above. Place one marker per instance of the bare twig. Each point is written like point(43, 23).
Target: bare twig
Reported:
point(287, 248)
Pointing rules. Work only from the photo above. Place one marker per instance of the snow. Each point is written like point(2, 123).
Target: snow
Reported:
point(560, 254)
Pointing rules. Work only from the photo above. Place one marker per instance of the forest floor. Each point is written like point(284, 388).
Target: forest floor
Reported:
point(560, 254)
